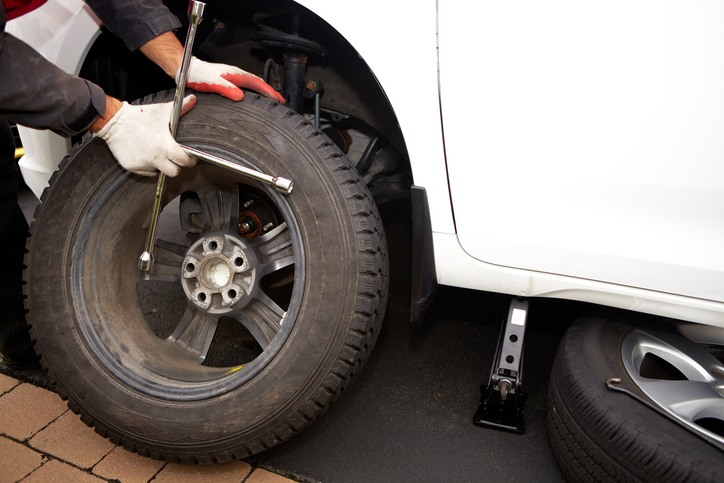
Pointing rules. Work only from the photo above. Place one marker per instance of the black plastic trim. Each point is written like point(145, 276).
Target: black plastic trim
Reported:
point(423, 285)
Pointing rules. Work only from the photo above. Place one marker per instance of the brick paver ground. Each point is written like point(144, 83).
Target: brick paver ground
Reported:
point(42, 441)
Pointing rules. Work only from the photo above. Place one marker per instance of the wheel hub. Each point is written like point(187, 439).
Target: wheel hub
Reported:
point(217, 275)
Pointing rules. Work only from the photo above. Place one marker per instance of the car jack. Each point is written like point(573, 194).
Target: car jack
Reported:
point(503, 398)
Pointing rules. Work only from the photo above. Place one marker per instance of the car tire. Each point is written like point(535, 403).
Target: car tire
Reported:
point(304, 298)
point(599, 434)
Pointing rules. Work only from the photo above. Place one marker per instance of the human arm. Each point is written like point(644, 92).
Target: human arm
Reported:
point(113, 105)
point(37, 94)
point(147, 25)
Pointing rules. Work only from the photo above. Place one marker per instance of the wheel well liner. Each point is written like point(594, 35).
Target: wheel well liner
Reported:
point(350, 87)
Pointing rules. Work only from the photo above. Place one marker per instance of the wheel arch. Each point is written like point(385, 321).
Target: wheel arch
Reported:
point(391, 85)
point(350, 85)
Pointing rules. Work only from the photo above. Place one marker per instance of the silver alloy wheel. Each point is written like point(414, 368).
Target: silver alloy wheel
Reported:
point(171, 367)
point(689, 384)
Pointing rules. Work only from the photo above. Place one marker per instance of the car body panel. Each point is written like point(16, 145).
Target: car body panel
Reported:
point(597, 145)
point(455, 267)
point(568, 182)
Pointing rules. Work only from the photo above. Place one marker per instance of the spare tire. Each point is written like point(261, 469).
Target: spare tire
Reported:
point(602, 434)
point(260, 306)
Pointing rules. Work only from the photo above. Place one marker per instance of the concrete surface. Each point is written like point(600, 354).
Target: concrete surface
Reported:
point(408, 416)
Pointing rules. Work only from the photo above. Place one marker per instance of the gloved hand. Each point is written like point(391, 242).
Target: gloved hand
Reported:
point(140, 139)
point(226, 80)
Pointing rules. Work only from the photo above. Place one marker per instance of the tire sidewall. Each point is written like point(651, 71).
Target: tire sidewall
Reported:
point(619, 437)
point(294, 376)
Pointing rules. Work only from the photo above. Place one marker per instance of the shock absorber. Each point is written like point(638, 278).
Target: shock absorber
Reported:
point(296, 51)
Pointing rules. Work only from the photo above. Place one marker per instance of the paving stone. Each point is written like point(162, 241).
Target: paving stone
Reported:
point(7, 383)
point(18, 461)
point(27, 409)
point(55, 471)
point(230, 472)
point(127, 467)
point(263, 476)
point(70, 440)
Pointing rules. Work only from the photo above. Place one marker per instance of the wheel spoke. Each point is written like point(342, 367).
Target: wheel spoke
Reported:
point(168, 259)
point(220, 209)
point(273, 250)
point(690, 400)
point(263, 319)
point(698, 397)
point(194, 333)
point(693, 361)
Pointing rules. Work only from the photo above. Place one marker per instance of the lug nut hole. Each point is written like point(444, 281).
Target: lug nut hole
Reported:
point(190, 267)
point(213, 245)
point(238, 261)
point(232, 294)
point(202, 297)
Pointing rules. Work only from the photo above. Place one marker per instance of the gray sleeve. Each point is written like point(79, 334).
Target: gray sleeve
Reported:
point(135, 21)
point(37, 94)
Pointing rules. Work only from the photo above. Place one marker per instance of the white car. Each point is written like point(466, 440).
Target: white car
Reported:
point(562, 149)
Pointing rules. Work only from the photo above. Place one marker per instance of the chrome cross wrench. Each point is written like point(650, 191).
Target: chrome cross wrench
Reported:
point(196, 11)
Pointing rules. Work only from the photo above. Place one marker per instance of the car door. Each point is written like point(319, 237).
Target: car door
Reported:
point(594, 144)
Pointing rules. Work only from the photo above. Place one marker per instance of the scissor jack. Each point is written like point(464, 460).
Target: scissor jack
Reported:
point(503, 398)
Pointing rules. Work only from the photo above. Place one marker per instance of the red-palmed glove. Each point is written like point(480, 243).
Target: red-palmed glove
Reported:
point(140, 139)
point(226, 80)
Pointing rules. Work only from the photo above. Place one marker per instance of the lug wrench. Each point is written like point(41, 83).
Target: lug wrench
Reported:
point(195, 14)
point(282, 184)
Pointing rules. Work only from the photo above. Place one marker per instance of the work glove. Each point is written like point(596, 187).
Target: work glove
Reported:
point(225, 80)
point(140, 138)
